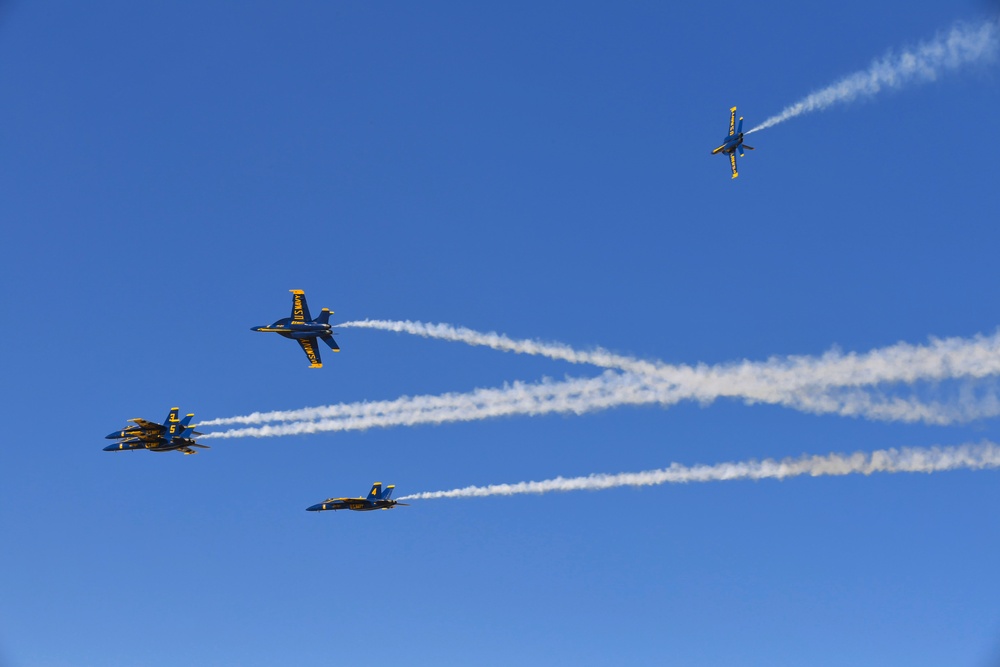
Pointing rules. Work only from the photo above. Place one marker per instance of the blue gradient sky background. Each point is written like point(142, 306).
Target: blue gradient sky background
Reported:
point(169, 172)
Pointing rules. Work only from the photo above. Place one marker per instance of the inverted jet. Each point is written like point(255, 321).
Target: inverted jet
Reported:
point(376, 500)
point(733, 142)
point(303, 329)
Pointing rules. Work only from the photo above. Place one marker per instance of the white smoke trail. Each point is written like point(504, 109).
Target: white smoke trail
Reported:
point(906, 459)
point(961, 45)
point(818, 385)
point(770, 380)
point(874, 406)
point(596, 357)
point(516, 392)
point(580, 396)
point(572, 396)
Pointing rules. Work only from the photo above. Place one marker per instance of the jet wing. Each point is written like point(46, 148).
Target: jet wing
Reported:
point(732, 161)
point(732, 121)
point(300, 309)
point(312, 351)
point(149, 426)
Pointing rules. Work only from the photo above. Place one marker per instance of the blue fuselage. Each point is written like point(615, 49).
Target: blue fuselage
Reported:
point(289, 329)
point(730, 144)
point(161, 445)
point(134, 432)
point(356, 504)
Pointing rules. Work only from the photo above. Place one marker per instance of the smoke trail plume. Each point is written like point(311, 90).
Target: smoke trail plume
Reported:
point(833, 383)
point(906, 459)
point(961, 45)
point(581, 396)
point(596, 357)
point(520, 393)
point(941, 359)
point(570, 397)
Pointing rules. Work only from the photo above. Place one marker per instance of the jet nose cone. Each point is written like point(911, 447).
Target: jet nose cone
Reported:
point(255, 328)
point(114, 435)
point(318, 507)
point(111, 448)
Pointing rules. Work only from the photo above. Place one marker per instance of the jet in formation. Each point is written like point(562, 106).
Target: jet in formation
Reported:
point(303, 329)
point(733, 142)
point(376, 500)
point(172, 435)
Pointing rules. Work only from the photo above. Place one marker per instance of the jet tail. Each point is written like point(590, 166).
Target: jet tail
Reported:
point(387, 494)
point(376, 492)
point(331, 342)
point(171, 418)
point(739, 130)
point(324, 316)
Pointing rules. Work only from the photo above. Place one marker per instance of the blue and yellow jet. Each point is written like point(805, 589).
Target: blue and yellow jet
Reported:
point(733, 142)
point(376, 500)
point(172, 435)
point(303, 329)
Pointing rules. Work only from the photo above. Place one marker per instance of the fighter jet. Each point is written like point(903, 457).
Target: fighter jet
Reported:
point(733, 142)
point(303, 329)
point(173, 434)
point(376, 500)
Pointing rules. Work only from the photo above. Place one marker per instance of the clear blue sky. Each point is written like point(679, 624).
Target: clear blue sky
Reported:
point(170, 170)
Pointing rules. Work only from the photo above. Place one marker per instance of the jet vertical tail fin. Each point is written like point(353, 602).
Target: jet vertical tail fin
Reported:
point(387, 494)
point(331, 342)
point(324, 316)
point(739, 130)
point(376, 492)
point(172, 424)
point(185, 428)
